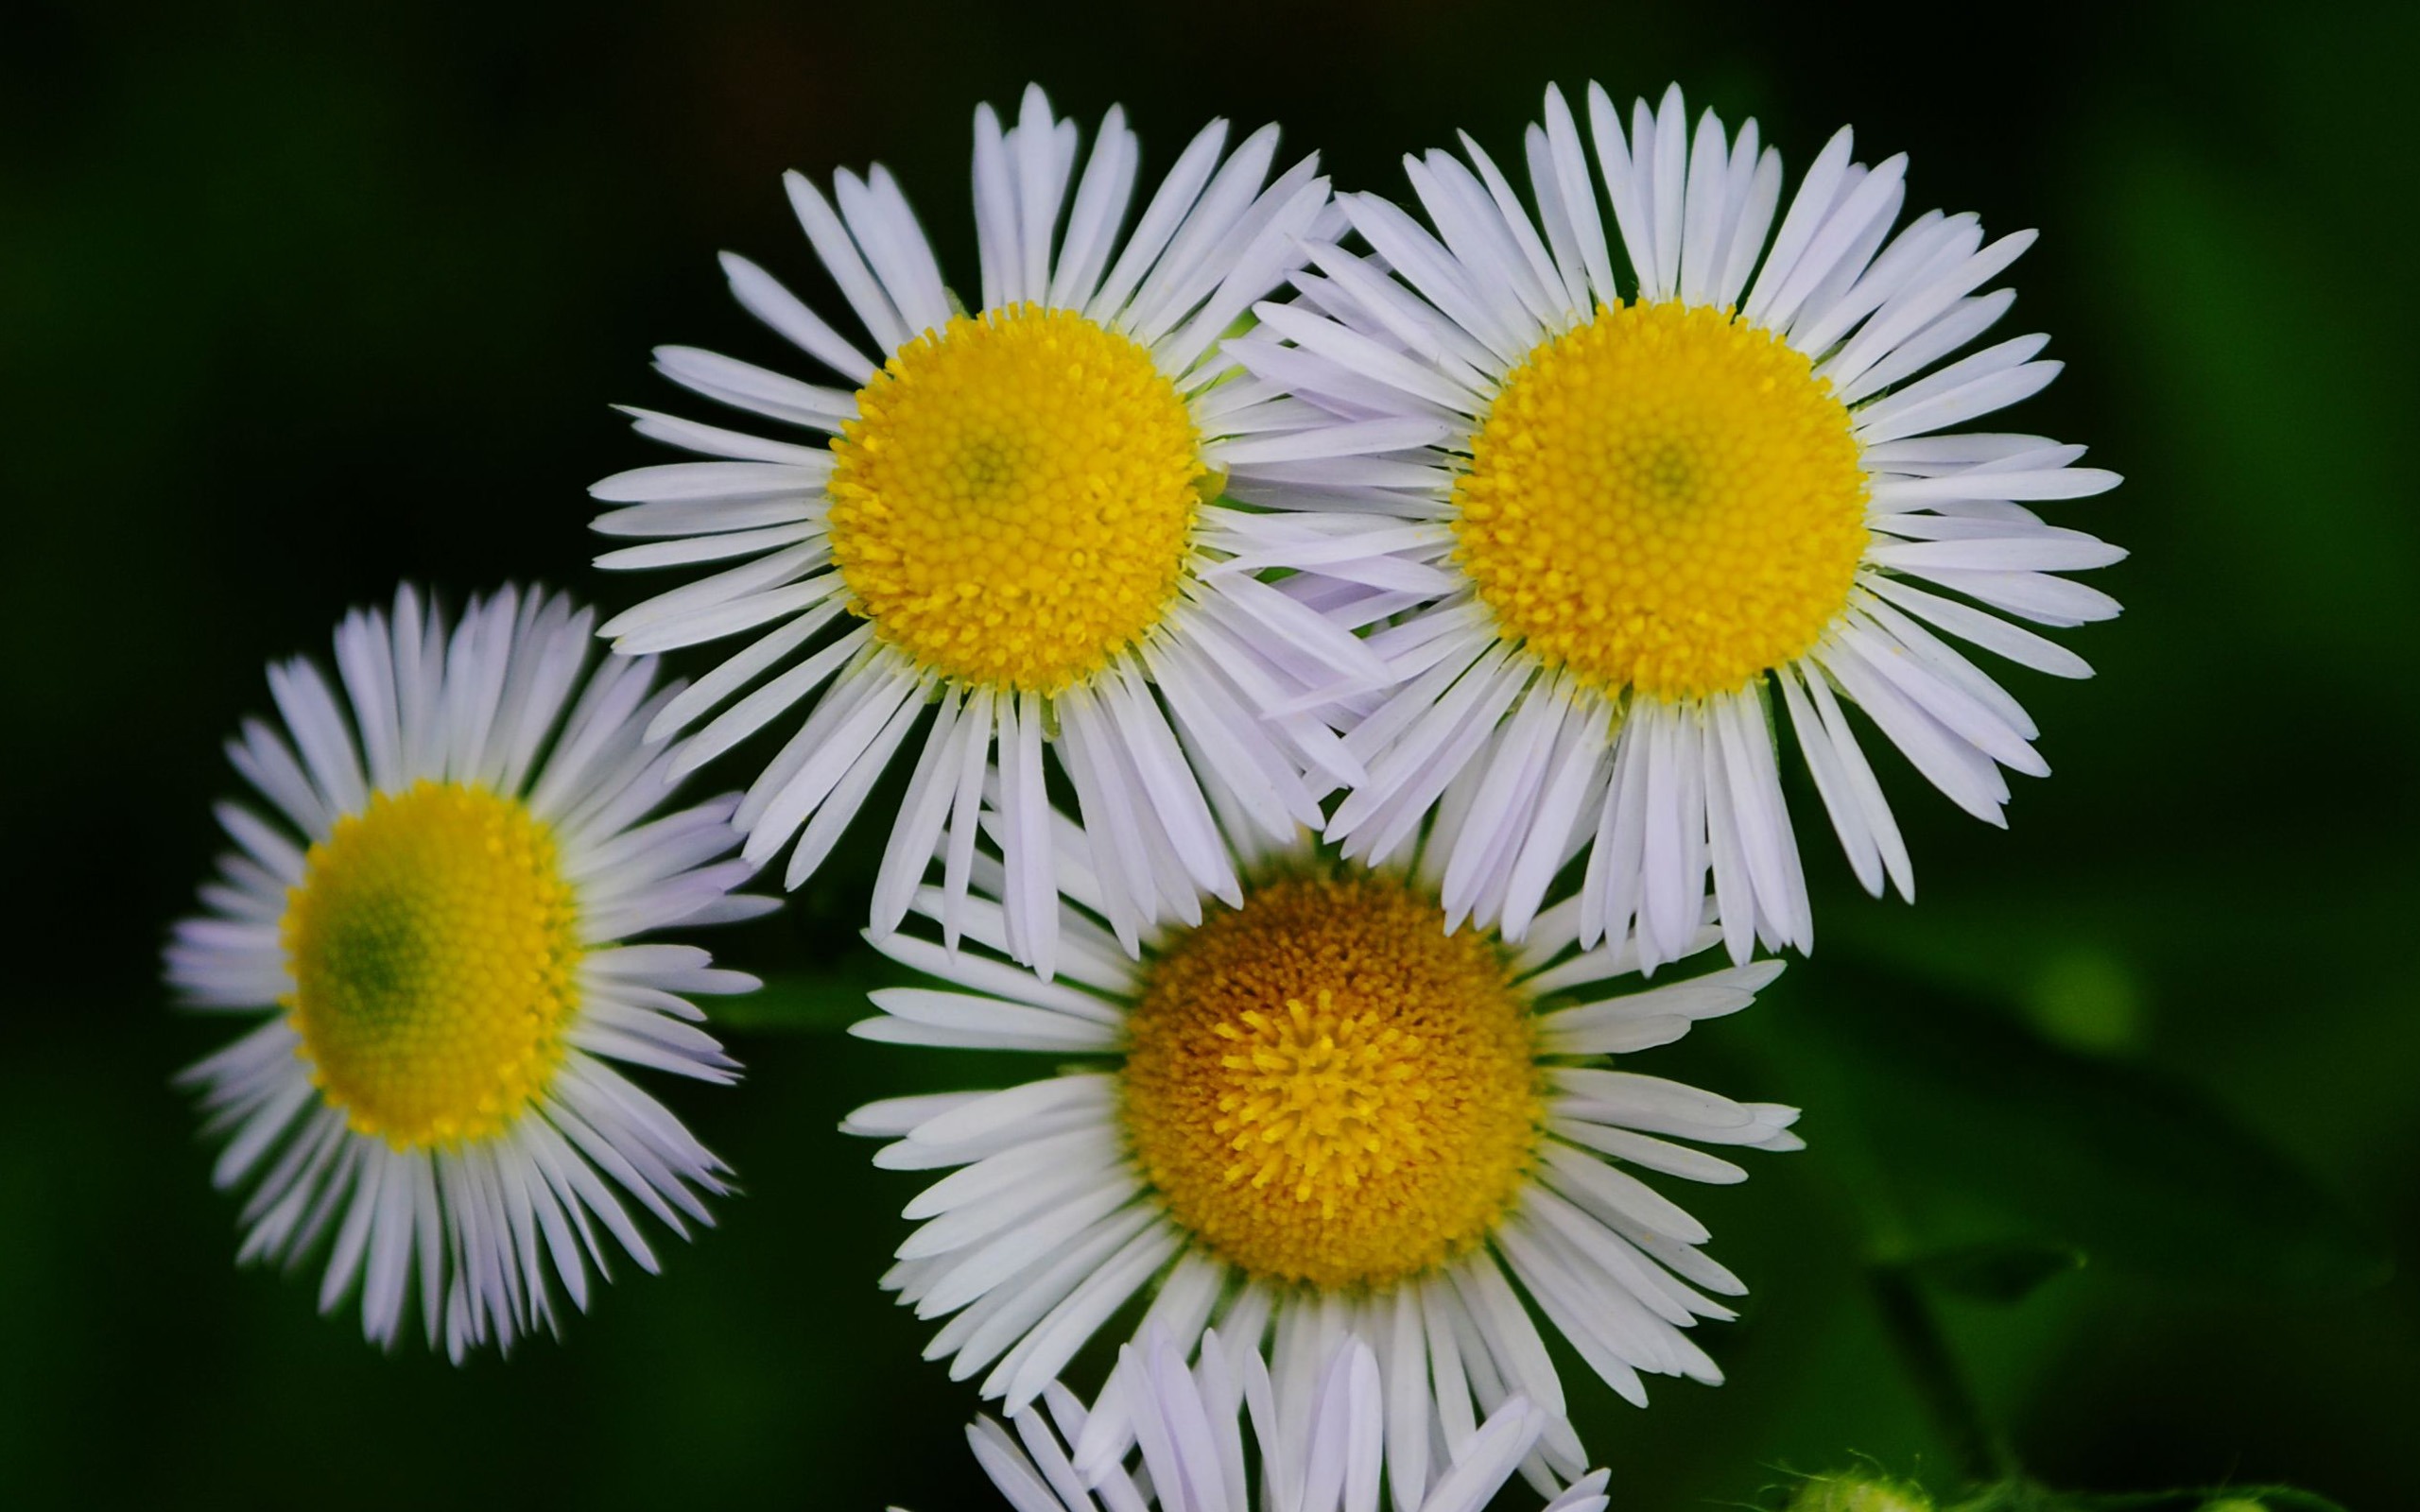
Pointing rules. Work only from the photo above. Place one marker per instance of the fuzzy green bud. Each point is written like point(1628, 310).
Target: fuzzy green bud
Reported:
point(1861, 1494)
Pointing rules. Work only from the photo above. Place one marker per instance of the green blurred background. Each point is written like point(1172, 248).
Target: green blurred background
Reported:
point(294, 302)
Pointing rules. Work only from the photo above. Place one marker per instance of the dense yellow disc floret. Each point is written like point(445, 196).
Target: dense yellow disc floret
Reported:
point(1325, 1086)
point(433, 944)
point(1666, 499)
point(1014, 502)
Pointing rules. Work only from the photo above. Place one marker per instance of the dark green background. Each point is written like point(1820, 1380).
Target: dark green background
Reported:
point(294, 303)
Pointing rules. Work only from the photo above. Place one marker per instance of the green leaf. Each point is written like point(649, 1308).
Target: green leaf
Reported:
point(2006, 1270)
point(1970, 1131)
point(800, 1003)
point(2214, 1499)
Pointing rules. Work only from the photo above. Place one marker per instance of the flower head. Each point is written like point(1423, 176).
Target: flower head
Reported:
point(1698, 471)
point(1016, 513)
point(1315, 1110)
point(1316, 1453)
point(430, 924)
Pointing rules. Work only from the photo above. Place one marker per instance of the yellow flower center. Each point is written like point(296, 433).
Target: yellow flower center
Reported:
point(1666, 499)
point(1013, 503)
point(433, 943)
point(1327, 1087)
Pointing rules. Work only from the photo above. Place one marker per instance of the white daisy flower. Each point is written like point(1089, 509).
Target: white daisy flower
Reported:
point(1709, 459)
point(1316, 1111)
point(1321, 1453)
point(429, 922)
point(1014, 519)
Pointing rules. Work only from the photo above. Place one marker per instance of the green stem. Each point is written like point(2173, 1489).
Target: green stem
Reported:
point(1981, 1451)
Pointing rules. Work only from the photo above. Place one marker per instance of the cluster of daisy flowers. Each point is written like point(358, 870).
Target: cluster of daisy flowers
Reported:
point(1338, 653)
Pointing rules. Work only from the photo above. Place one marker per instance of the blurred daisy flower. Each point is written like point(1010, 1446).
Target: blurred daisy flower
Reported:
point(1013, 516)
point(428, 919)
point(1319, 1454)
point(1712, 459)
point(1316, 1110)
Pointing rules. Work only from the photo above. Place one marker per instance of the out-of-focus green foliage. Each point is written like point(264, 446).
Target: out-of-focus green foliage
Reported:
point(1984, 1152)
point(1996, 1270)
point(1870, 1491)
point(298, 299)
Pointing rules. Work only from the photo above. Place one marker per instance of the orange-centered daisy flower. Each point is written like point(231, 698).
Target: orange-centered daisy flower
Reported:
point(1316, 1109)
